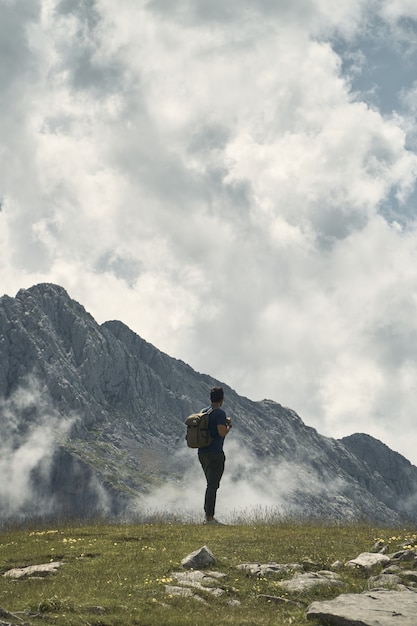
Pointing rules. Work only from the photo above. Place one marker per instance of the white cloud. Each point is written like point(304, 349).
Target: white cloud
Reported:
point(25, 447)
point(399, 10)
point(248, 489)
point(206, 175)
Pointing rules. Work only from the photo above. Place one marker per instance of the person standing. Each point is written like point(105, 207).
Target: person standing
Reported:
point(212, 458)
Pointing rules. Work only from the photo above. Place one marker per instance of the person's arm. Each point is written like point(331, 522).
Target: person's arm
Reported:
point(224, 429)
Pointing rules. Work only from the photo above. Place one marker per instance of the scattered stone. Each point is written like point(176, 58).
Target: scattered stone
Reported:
point(369, 562)
point(392, 590)
point(392, 581)
point(409, 575)
point(309, 566)
point(378, 546)
point(382, 608)
point(174, 590)
point(268, 570)
point(33, 571)
point(404, 555)
point(199, 559)
point(195, 576)
point(311, 580)
point(192, 582)
point(336, 566)
point(201, 581)
point(394, 575)
point(392, 569)
point(218, 575)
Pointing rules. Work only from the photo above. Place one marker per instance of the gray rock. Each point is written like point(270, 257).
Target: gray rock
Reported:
point(199, 559)
point(368, 562)
point(376, 608)
point(409, 575)
point(391, 581)
point(394, 577)
point(200, 580)
point(392, 569)
point(195, 581)
point(404, 555)
point(378, 546)
point(301, 583)
point(310, 566)
point(175, 590)
point(39, 571)
point(268, 570)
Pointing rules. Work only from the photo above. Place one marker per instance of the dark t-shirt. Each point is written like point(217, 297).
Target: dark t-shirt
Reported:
point(217, 417)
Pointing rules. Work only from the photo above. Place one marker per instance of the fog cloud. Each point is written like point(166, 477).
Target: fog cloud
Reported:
point(30, 433)
point(250, 489)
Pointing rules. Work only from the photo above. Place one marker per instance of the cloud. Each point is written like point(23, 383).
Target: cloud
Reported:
point(399, 10)
point(249, 490)
point(27, 446)
point(219, 180)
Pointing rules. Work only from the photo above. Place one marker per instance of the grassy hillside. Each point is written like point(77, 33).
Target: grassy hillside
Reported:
point(116, 574)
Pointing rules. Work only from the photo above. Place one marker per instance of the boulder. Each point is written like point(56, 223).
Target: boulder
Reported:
point(390, 581)
point(404, 555)
point(375, 608)
point(369, 562)
point(410, 576)
point(268, 570)
point(311, 580)
point(192, 582)
point(199, 559)
point(32, 571)
point(174, 590)
point(200, 580)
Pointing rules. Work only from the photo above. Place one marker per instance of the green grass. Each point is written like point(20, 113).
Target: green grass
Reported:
point(115, 574)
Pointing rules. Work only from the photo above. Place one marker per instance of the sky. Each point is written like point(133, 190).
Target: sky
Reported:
point(235, 181)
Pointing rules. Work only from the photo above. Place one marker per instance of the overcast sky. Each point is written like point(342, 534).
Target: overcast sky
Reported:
point(233, 180)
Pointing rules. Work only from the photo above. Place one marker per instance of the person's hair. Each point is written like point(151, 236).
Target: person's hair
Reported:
point(216, 394)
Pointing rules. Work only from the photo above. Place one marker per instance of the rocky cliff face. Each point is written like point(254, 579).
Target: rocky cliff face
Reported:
point(92, 420)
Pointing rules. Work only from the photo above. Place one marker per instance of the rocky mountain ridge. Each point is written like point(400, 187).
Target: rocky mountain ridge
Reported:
point(100, 414)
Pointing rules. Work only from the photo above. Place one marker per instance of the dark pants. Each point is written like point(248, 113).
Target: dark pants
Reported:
point(213, 466)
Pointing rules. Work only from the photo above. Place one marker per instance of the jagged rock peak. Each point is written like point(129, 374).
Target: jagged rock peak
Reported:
point(49, 298)
point(365, 445)
point(43, 289)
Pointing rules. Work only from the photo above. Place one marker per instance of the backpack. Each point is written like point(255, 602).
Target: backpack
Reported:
point(198, 434)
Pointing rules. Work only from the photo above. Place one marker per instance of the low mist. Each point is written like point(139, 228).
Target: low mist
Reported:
point(250, 489)
point(29, 434)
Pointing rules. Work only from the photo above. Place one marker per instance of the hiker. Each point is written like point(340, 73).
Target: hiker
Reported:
point(212, 458)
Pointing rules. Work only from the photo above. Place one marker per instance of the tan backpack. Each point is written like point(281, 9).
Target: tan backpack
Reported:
point(198, 434)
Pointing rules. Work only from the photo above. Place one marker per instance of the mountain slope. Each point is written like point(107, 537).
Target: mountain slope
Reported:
point(97, 415)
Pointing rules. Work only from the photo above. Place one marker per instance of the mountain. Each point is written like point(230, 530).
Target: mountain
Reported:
point(92, 423)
